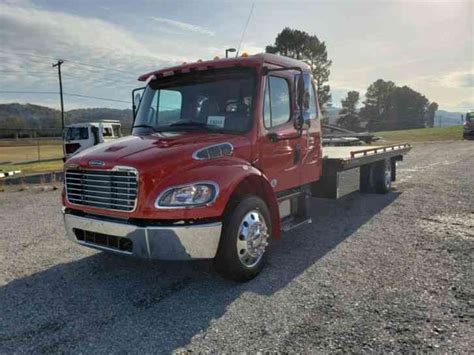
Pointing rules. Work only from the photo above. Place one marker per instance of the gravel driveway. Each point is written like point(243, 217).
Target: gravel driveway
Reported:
point(381, 273)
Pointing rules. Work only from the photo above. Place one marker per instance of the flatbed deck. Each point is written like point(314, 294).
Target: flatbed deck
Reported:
point(344, 167)
point(348, 157)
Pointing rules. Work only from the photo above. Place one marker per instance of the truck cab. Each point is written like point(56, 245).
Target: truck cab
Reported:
point(80, 136)
point(223, 157)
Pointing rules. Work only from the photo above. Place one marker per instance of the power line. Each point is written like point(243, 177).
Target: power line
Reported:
point(26, 72)
point(105, 81)
point(28, 55)
point(45, 75)
point(97, 66)
point(67, 60)
point(65, 94)
point(89, 68)
point(98, 98)
point(28, 92)
point(41, 75)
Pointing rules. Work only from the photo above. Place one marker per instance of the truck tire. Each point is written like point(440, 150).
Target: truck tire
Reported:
point(366, 179)
point(382, 171)
point(244, 238)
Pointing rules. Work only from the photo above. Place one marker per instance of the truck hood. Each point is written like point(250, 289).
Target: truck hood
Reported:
point(156, 151)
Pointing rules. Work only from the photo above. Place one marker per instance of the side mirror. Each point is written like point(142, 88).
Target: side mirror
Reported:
point(136, 98)
point(136, 103)
point(302, 93)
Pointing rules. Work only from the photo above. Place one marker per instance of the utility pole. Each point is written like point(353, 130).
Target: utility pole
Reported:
point(58, 64)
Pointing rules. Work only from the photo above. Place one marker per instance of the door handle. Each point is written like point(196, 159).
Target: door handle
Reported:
point(297, 154)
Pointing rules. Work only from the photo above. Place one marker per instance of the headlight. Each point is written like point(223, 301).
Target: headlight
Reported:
point(192, 195)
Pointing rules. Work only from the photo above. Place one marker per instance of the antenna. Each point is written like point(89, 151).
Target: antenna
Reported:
point(245, 29)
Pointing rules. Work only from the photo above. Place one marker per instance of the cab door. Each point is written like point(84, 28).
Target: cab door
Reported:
point(311, 165)
point(279, 159)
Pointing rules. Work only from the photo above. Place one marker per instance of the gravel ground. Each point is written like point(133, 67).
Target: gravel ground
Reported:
point(373, 273)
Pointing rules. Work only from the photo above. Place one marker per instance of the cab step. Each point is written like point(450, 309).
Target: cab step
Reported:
point(294, 222)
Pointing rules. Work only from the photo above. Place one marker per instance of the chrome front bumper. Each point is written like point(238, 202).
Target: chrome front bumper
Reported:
point(165, 243)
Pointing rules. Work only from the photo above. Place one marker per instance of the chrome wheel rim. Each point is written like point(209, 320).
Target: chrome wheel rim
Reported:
point(252, 238)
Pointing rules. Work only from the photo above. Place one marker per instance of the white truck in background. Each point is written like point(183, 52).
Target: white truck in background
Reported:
point(80, 136)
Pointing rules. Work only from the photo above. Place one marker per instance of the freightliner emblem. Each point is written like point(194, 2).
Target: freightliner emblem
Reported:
point(96, 163)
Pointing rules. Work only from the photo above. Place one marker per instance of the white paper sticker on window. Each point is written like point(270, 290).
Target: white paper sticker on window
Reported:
point(217, 121)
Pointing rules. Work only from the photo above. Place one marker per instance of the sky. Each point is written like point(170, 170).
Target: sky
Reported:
point(106, 45)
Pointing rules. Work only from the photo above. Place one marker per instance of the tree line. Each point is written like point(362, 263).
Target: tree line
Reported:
point(386, 105)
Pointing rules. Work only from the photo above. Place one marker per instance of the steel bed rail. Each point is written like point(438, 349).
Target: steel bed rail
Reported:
point(383, 149)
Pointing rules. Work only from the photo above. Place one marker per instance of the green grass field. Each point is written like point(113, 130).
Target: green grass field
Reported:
point(422, 135)
point(21, 155)
point(36, 167)
point(4, 142)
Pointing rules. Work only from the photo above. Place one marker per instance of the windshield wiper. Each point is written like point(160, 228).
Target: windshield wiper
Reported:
point(145, 126)
point(189, 123)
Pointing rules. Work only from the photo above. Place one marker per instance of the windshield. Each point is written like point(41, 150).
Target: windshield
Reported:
point(77, 133)
point(469, 116)
point(214, 100)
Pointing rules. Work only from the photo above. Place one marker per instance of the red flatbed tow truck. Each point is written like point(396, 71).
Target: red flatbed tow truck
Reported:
point(224, 156)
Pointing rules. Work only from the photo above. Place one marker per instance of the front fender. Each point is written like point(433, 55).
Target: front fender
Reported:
point(258, 184)
point(233, 177)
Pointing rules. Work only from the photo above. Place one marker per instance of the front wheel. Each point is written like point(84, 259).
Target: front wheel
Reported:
point(244, 239)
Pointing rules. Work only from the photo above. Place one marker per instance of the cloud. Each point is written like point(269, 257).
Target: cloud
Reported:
point(450, 80)
point(183, 26)
point(463, 79)
point(18, 2)
point(251, 48)
point(465, 105)
point(32, 39)
point(62, 34)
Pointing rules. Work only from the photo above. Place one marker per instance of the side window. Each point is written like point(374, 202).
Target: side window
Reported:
point(169, 106)
point(267, 120)
point(277, 102)
point(107, 132)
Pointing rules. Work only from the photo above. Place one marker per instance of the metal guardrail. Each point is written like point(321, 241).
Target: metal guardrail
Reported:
point(383, 149)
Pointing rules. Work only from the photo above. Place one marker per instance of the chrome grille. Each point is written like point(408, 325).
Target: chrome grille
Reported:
point(107, 189)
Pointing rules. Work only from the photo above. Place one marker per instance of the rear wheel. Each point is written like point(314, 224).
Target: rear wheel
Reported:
point(367, 178)
point(383, 176)
point(244, 239)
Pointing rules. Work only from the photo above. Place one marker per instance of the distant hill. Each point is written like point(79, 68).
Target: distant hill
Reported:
point(35, 116)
